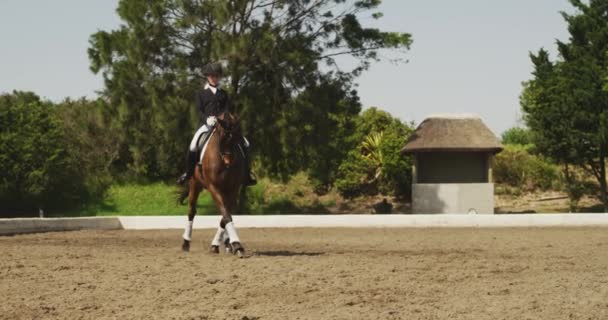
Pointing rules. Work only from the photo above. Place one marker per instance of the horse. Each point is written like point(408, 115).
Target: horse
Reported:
point(221, 171)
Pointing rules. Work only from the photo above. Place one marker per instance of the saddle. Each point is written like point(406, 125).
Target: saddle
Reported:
point(203, 142)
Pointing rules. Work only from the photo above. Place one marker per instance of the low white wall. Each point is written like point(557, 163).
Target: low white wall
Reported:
point(453, 198)
point(31, 225)
point(393, 220)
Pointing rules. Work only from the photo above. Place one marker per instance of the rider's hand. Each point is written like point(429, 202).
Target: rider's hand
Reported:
point(211, 121)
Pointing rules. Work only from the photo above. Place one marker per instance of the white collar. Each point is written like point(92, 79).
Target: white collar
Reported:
point(213, 89)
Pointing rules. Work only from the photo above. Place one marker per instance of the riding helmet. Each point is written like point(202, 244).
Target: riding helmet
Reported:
point(213, 69)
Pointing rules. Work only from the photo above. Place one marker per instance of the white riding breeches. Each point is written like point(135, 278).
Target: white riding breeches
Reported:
point(195, 143)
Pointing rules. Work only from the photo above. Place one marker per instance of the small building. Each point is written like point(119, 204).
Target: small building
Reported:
point(452, 167)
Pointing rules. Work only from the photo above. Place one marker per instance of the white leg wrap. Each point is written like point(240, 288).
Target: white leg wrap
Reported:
point(194, 143)
point(188, 231)
point(219, 237)
point(231, 230)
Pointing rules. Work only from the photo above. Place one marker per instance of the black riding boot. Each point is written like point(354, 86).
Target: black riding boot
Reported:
point(191, 160)
point(249, 177)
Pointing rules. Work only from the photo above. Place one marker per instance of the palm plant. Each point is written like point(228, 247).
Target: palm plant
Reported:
point(370, 148)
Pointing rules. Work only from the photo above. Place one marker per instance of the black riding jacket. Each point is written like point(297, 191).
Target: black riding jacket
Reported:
point(210, 104)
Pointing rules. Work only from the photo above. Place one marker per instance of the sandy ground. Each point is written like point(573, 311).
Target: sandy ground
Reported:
point(309, 274)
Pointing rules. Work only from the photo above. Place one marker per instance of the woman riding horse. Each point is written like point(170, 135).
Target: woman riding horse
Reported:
point(211, 101)
point(224, 162)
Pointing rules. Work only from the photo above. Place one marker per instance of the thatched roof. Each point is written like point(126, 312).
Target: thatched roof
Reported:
point(452, 133)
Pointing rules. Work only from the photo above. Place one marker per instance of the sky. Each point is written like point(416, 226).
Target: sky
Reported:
point(468, 56)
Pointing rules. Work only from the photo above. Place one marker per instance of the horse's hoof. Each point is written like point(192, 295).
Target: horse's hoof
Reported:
point(186, 246)
point(227, 245)
point(214, 249)
point(238, 249)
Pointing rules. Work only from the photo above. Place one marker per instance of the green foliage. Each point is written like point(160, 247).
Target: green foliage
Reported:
point(576, 186)
point(296, 196)
point(566, 105)
point(396, 168)
point(353, 175)
point(322, 125)
point(376, 164)
point(517, 168)
point(43, 164)
point(299, 109)
point(90, 140)
point(517, 135)
point(279, 58)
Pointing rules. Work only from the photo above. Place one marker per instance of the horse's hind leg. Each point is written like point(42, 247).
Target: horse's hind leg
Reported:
point(192, 199)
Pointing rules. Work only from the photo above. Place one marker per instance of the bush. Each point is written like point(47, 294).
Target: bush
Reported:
point(517, 168)
point(353, 175)
point(396, 168)
point(41, 165)
point(516, 135)
point(376, 165)
point(297, 195)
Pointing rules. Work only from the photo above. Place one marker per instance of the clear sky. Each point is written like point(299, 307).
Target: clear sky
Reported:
point(468, 56)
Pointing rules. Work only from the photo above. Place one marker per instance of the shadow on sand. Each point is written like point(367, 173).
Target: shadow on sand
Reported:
point(287, 254)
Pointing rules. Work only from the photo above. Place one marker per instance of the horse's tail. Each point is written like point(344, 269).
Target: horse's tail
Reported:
point(182, 192)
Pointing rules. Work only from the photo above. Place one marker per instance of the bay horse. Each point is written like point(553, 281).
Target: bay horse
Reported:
point(221, 171)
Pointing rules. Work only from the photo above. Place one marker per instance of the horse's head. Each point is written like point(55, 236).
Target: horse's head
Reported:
point(229, 131)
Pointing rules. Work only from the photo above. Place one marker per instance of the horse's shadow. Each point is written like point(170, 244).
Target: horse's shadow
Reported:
point(285, 253)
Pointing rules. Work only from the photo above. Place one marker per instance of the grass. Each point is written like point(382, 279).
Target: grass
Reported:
point(157, 199)
point(268, 197)
point(143, 200)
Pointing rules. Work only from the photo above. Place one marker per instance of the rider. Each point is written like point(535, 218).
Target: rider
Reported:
point(212, 101)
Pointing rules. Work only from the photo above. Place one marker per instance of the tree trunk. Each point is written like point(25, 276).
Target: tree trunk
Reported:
point(604, 193)
point(569, 186)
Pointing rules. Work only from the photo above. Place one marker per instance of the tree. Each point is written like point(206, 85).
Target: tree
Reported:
point(88, 137)
point(297, 105)
point(41, 164)
point(517, 135)
point(565, 104)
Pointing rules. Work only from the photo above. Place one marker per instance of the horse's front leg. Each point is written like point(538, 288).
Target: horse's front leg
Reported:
point(233, 238)
point(195, 190)
point(217, 239)
point(226, 206)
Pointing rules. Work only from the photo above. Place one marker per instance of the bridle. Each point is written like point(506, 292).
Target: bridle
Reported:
point(226, 139)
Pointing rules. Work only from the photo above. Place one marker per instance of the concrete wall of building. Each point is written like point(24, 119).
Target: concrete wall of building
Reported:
point(452, 167)
point(453, 198)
